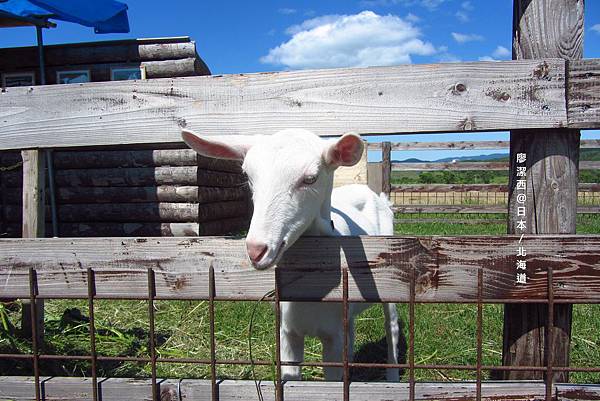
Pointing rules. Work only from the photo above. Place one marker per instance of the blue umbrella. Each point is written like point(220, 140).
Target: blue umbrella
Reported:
point(105, 16)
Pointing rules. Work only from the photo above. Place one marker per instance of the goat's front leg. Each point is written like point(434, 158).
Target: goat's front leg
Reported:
point(392, 334)
point(292, 350)
point(333, 351)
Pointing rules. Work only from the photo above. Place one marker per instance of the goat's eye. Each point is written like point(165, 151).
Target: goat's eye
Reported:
point(310, 179)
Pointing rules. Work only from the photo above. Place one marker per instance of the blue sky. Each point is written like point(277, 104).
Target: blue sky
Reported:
point(244, 36)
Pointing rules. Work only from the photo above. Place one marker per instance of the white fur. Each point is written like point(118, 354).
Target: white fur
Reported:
point(285, 207)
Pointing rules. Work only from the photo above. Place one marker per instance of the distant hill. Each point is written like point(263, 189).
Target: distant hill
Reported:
point(585, 154)
point(492, 157)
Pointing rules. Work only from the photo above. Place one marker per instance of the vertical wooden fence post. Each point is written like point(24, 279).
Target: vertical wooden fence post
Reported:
point(33, 224)
point(543, 29)
point(386, 167)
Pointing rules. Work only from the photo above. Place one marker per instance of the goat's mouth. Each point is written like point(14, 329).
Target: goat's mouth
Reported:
point(270, 258)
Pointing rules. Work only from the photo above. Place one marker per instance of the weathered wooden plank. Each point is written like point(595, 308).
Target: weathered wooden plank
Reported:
point(161, 193)
point(583, 101)
point(386, 167)
point(582, 187)
point(33, 226)
point(467, 145)
point(374, 177)
point(410, 98)
point(379, 267)
point(19, 388)
point(543, 28)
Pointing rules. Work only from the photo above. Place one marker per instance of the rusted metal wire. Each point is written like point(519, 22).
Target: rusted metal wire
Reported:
point(232, 298)
point(213, 346)
point(36, 356)
point(479, 332)
point(411, 338)
point(346, 375)
point(91, 292)
point(549, 337)
point(278, 383)
point(33, 291)
point(152, 344)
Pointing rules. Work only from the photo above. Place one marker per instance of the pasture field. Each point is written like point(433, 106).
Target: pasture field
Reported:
point(444, 334)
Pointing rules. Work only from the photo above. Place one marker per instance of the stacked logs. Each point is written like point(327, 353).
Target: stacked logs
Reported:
point(160, 57)
point(165, 192)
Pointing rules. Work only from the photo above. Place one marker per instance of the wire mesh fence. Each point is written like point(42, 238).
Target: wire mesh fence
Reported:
point(37, 356)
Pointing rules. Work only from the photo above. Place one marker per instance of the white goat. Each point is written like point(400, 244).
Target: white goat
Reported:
point(291, 175)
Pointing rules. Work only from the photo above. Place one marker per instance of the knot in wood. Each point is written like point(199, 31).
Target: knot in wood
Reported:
point(542, 71)
point(459, 88)
point(466, 125)
point(554, 186)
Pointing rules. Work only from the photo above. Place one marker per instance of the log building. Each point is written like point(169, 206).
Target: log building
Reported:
point(138, 191)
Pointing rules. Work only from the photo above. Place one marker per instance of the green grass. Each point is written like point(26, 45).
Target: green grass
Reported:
point(444, 333)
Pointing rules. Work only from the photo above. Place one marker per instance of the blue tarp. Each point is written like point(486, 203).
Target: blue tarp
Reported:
point(105, 16)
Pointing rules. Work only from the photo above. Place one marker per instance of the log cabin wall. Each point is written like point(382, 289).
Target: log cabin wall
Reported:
point(154, 192)
point(160, 57)
point(144, 191)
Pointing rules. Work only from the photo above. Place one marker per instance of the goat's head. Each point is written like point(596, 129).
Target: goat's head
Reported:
point(291, 177)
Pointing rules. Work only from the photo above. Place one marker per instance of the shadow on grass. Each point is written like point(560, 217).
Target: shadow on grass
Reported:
point(376, 352)
point(73, 329)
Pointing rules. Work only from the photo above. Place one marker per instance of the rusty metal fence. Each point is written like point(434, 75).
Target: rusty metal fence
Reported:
point(36, 356)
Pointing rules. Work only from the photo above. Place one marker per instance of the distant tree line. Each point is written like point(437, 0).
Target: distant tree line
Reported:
point(472, 177)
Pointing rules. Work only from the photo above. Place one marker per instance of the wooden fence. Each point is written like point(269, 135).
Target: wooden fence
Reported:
point(459, 198)
point(544, 98)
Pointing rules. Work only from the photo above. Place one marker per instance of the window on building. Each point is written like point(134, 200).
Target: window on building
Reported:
point(18, 79)
point(73, 77)
point(124, 74)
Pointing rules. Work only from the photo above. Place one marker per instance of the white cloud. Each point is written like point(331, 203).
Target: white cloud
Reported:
point(464, 37)
point(596, 28)
point(287, 11)
point(466, 5)
point(428, 4)
point(359, 40)
point(410, 17)
point(462, 16)
point(463, 13)
point(501, 52)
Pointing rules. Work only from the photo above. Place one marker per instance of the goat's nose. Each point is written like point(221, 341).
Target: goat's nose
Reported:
point(256, 250)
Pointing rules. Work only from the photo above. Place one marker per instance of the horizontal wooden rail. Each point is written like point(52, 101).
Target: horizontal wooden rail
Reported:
point(449, 220)
point(583, 187)
point(129, 389)
point(463, 145)
point(469, 166)
point(470, 209)
point(475, 96)
point(380, 268)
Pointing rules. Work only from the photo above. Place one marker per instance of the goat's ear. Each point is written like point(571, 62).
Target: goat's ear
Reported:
point(232, 147)
point(346, 151)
